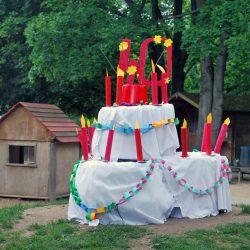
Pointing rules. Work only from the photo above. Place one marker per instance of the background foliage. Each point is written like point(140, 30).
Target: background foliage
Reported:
point(50, 51)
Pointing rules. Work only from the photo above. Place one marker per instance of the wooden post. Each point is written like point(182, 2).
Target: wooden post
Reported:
point(52, 171)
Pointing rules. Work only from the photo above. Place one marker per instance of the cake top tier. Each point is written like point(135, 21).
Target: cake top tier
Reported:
point(130, 70)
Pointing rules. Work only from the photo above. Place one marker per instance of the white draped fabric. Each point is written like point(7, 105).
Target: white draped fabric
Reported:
point(100, 183)
point(157, 142)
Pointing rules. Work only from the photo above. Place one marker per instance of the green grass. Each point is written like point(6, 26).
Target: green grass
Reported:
point(245, 209)
point(68, 235)
point(9, 215)
point(230, 236)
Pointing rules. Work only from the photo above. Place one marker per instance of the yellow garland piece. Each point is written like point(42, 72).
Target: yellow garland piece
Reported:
point(131, 70)
point(93, 216)
point(100, 210)
point(123, 46)
point(163, 122)
point(157, 39)
point(168, 42)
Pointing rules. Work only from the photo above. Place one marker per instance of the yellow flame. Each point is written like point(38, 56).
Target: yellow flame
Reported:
point(83, 121)
point(137, 125)
point(88, 123)
point(95, 121)
point(227, 121)
point(209, 118)
point(184, 125)
point(107, 73)
point(120, 72)
point(153, 66)
point(161, 68)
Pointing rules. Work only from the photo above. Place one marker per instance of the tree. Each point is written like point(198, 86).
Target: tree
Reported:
point(14, 52)
point(208, 39)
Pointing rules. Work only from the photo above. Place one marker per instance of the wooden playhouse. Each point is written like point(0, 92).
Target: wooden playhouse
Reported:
point(38, 147)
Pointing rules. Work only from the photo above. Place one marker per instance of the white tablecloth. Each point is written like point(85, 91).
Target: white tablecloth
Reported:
point(101, 183)
point(158, 142)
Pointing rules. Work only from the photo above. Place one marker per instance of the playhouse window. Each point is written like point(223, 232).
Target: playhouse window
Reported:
point(21, 154)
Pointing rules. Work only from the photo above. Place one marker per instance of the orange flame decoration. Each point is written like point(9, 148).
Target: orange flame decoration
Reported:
point(83, 121)
point(161, 68)
point(184, 125)
point(137, 125)
point(209, 118)
point(153, 66)
point(227, 121)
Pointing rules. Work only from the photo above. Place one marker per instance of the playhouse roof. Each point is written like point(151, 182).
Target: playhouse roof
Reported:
point(231, 103)
point(52, 117)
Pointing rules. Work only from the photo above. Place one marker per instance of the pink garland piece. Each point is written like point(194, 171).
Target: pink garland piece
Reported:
point(224, 173)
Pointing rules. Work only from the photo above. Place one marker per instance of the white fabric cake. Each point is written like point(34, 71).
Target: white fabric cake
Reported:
point(164, 194)
point(100, 183)
point(158, 142)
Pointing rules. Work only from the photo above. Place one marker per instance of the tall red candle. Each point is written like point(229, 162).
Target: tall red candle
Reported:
point(184, 139)
point(204, 138)
point(221, 136)
point(108, 90)
point(120, 82)
point(84, 140)
point(209, 135)
point(109, 145)
point(138, 142)
point(164, 84)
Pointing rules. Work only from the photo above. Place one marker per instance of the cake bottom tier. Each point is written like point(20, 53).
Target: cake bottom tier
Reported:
point(150, 192)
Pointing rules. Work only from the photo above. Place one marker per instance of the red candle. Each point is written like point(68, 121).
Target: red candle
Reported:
point(127, 93)
point(209, 135)
point(154, 88)
point(109, 145)
point(85, 150)
point(164, 88)
point(184, 139)
point(120, 81)
point(91, 131)
point(204, 138)
point(221, 136)
point(108, 90)
point(138, 142)
point(124, 48)
point(164, 84)
point(142, 93)
point(154, 85)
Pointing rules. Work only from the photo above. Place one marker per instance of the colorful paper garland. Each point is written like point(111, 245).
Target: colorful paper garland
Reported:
point(129, 130)
point(92, 213)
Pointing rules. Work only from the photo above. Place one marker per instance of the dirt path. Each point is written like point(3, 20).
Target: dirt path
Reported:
point(41, 215)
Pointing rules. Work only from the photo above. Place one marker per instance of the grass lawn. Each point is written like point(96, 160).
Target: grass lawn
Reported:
point(68, 235)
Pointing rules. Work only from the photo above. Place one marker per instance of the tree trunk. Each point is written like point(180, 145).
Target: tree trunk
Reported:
point(179, 55)
point(219, 72)
point(205, 103)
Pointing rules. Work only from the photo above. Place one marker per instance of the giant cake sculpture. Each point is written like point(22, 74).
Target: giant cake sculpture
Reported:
point(134, 175)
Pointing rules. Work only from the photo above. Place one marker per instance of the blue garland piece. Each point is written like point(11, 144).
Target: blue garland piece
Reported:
point(128, 130)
